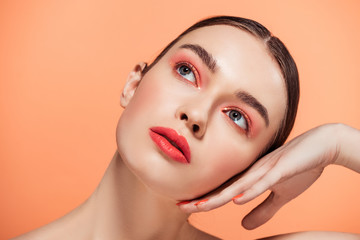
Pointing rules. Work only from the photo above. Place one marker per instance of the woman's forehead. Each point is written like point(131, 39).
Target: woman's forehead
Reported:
point(234, 51)
point(222, 37)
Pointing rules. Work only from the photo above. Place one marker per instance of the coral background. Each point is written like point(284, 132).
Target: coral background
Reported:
point(62, 68)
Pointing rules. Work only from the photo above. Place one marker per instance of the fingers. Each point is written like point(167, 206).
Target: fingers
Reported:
point(207, 203)
point(213, 200)
point(242, 190)
point(263, 212)
point(287, 171)
point(259, 187)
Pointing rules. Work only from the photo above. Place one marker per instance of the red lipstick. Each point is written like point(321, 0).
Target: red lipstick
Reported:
point(171, 143)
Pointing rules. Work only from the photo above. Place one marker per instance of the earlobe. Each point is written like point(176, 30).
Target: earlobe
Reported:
point(132, 83)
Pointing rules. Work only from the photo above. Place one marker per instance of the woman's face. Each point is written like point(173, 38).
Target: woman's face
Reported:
point(219, 89)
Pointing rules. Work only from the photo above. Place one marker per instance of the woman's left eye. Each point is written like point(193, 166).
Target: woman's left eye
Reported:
point(238, 118)
point(186, 72)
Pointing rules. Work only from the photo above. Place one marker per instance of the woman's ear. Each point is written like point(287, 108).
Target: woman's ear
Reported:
point(132, 83)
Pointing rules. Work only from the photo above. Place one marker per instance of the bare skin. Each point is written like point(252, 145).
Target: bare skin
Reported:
point(137, 196)
point(287, 172)
point(99, 218)
point(315, 235)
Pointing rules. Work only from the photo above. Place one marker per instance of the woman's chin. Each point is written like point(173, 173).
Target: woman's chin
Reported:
point(175, 192)
point(169, 188)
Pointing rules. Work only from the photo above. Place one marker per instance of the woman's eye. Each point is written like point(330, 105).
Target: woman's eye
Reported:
point(238, 118)
point(186, 72)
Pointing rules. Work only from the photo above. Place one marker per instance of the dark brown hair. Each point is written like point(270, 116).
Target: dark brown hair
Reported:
point(279, 52)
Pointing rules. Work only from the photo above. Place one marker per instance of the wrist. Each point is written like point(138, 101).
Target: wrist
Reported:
point(347, 147)
point(339, 130)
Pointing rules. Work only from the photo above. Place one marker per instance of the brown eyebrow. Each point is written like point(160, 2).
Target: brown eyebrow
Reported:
point(253, 102)
point(205, 56)
point(246, 97)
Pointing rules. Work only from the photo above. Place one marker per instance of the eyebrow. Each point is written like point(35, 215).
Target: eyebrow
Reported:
point(244, 96)
point(253, 102)
point(204, 55)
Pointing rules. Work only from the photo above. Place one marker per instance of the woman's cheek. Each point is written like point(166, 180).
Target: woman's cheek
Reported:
point(231, 158)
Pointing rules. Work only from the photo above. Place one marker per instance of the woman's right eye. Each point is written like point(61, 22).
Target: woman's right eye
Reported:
point(238, 118)
point(186, 71)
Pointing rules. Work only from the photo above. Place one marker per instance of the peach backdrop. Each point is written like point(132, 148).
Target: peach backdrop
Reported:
point(62, 68)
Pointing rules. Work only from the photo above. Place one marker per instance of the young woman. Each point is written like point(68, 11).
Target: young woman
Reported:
point(216, 99)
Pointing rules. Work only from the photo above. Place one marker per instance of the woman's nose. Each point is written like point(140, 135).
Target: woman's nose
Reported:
point(194, 118)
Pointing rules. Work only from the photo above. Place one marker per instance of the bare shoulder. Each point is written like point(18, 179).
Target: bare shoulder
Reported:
point(35, 234)
point(53, 230)
point(41, 233)
point(318, 235)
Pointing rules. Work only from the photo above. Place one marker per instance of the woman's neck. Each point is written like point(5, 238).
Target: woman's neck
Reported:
point(121, 207)
point(124, 208)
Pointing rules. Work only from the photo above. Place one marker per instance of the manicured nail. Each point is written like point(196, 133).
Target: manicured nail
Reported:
point(201, 201)
point(238, 196)
point(183, 202)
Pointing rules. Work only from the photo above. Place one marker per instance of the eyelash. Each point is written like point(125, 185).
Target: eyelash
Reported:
point(246, 117)
point(193, 70)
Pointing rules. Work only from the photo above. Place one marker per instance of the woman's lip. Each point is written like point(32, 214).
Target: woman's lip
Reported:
point(167, 139)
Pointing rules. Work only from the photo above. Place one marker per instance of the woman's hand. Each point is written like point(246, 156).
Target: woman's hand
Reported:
point(287, 172)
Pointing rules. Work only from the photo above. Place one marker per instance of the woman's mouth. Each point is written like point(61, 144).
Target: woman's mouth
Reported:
point(171, 143)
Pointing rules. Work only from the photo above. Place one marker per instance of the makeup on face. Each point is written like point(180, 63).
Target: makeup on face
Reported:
point(171, 144)
point(233, 99)
point(193, 64)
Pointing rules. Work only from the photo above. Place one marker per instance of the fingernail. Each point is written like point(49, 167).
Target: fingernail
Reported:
point(201, 201)
point(238, 196)
point(183, 202)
